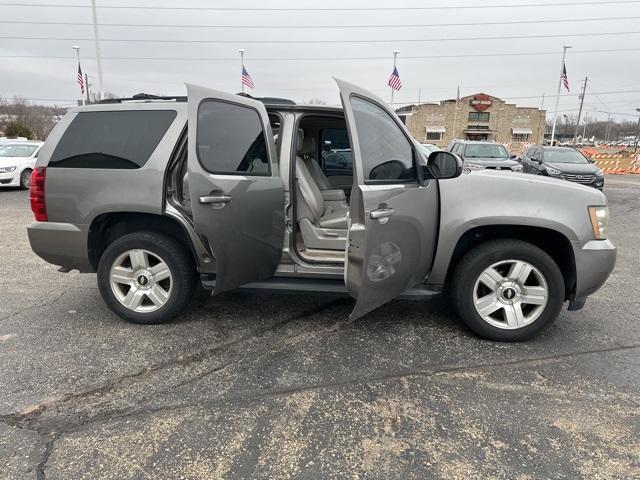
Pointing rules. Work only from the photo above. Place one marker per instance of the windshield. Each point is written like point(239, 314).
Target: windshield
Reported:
point(564, 156)
point(17, 150)
point(488, 150)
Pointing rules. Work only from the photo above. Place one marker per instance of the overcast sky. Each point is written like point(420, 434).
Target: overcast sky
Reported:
point(413, 32)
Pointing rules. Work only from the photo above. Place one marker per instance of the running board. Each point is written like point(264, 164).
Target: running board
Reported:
point(310, 285)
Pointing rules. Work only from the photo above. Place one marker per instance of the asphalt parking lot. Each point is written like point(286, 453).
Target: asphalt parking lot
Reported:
point(278, 386)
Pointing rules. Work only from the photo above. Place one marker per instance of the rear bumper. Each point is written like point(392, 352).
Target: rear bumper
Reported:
point(595, 261)
point(61, 244)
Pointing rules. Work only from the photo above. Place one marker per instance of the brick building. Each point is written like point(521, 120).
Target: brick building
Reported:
point(475, 117)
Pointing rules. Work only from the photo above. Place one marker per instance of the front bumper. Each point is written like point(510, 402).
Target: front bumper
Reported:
point(10, 179)
point(595, 260)
point(61, 244)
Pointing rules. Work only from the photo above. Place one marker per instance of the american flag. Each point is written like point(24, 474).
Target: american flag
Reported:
point(80, 79)
point(394, 80)
point(565, 80)
point(246, 78)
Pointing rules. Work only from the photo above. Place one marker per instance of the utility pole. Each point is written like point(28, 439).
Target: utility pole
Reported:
point(395, 55)
point(608, 130)
point(418, 96)
point(77, 49)
point(86, 85)
point(542, 103)
point(555, 113)
point(96, 37)
point(584, 89)
point(241, 51)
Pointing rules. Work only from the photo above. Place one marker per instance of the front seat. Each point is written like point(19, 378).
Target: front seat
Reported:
point(322, 224)
point(335, 198)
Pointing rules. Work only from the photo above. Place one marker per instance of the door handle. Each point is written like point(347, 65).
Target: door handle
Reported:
point(381, 213)
point(220, 198)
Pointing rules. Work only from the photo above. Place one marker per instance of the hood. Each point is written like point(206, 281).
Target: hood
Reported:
point(492, 162)
point(574, 168)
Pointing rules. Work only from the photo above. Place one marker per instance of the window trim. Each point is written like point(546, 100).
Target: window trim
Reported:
point(418, 171)
point(264, 134)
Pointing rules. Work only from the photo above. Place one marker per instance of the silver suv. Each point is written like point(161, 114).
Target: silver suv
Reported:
point(158, 194)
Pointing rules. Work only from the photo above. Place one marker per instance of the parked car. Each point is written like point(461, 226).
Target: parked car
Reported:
point(562, 162)
point(481, 155)
point(5, 140)
point(126, 190)
point(17, 161)
point(427, 148)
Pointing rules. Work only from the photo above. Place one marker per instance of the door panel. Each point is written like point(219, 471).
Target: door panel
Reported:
point(237, 196)
point(393, 214)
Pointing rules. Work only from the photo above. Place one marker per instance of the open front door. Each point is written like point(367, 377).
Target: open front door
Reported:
point(393, 211)
point(237, 196)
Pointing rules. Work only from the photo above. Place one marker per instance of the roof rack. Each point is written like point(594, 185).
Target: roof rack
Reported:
point(143, 96)
point(149, 96)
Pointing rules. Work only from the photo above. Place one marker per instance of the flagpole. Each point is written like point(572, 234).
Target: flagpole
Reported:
point(455, 114)
point(555, 112)
point(241, 50)
point(395, 55)
point(77, 49)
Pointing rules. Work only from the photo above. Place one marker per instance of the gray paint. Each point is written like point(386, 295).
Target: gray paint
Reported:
point(411, 229)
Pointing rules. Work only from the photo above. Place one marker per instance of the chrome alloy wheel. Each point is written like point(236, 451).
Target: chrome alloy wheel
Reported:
point(141, 280)
point(510, 294)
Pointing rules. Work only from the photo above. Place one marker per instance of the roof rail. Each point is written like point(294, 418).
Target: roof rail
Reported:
point(149, 96)
point(143, 96)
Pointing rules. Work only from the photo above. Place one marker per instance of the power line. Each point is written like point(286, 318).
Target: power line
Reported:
point(315, 26)
point(368, 41)
point(324, 9)
point(299, 59)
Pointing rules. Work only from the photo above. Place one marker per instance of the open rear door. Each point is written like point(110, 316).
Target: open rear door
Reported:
point(237, 196)
point(393, 210)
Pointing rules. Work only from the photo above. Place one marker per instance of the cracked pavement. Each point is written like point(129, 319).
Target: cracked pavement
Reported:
point(274, 386)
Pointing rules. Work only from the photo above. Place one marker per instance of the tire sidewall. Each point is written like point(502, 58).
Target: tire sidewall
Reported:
point(495, 252)
point(165, 248)
point(23, 185)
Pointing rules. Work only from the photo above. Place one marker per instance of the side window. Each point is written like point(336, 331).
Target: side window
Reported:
point(230, 139)
point(387, 155)
point(117, 139)
point(335, 150)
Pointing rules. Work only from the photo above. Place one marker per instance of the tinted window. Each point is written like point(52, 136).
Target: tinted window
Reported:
point(335, 149)
point(564, 156)
point(386, 152)
point(486, 150)
point(231, 139)
point(115, 139)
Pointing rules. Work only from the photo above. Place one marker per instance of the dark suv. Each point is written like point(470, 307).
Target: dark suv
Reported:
point(480, 155)
point(562, 162)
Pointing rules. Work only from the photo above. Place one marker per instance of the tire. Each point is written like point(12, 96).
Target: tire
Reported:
point(25, 179)
point(157, 267)
point(509, 322)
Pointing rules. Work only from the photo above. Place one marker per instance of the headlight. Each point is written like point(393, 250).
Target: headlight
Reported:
point(599, 217)
point(599, 173)
point(517, 168)
point(474, 166)
point(7, 169)
point(552, 171)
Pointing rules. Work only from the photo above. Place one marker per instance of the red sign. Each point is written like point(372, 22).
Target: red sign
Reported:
point(481, 102)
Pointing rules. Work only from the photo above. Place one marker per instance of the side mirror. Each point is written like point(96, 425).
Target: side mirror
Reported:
point(591, 160)
point(513, 156)
point(443, 165)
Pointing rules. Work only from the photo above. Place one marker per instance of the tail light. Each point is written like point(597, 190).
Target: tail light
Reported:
point(36, 194)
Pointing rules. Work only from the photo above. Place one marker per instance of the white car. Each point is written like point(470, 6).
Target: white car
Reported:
point(16, 163)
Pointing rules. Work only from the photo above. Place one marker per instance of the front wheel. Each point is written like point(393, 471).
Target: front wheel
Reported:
point(507, 290)
point(25, 179)
point(146, 277)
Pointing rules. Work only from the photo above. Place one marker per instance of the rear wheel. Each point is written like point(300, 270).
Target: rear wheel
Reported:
point(25, 179)
point(507, 290)
point(146, 277)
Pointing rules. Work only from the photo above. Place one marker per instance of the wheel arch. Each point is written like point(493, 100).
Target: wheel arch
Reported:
point(554, 243)
point(107, 227)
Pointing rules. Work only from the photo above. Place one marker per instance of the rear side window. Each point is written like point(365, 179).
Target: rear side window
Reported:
point(335, 149)
point(387, 155)
point(231, 140)
point(115, 139)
